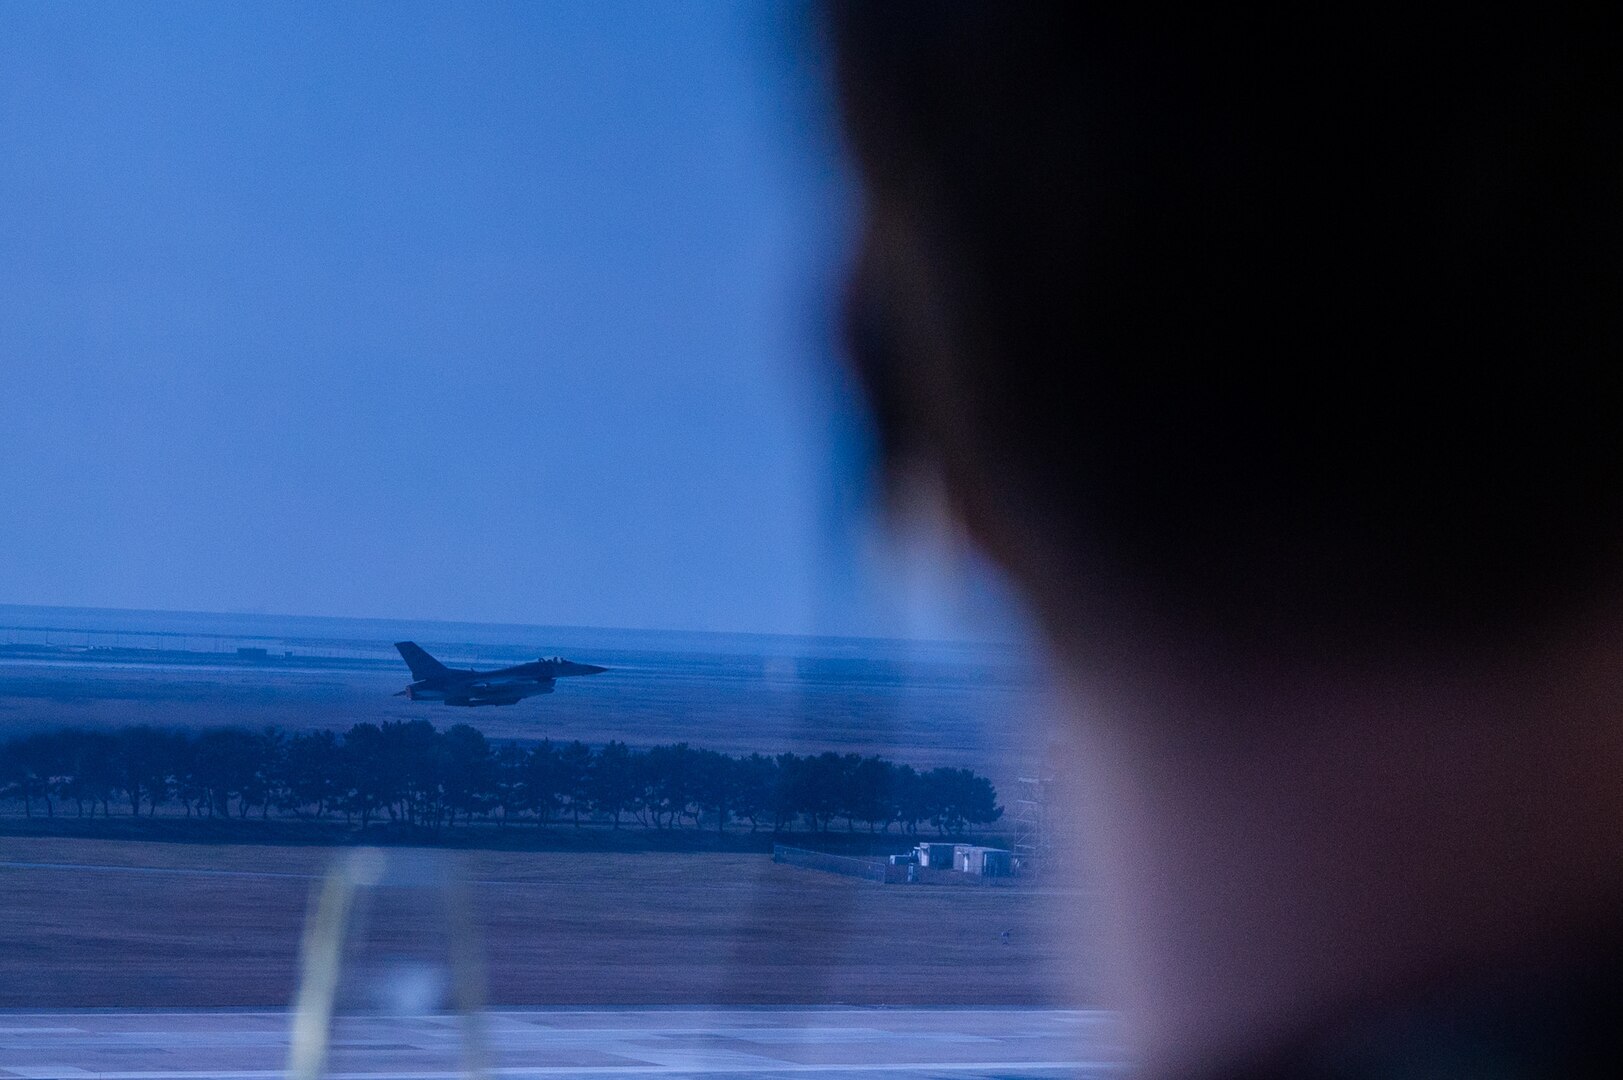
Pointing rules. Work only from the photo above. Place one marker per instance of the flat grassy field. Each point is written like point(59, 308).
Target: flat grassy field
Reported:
point(114, 923)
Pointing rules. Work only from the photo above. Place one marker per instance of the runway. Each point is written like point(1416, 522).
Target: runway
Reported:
point(843, 1043)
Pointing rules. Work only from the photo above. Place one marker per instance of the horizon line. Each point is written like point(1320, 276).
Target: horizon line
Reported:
point(951, 642)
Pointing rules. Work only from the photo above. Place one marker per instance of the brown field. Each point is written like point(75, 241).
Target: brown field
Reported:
point(125, 924)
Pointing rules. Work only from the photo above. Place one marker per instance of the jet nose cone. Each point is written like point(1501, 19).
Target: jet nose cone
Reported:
point(572, 668)
point(557, 667)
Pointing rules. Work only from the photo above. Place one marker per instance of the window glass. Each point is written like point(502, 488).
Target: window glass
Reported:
point(444, 625)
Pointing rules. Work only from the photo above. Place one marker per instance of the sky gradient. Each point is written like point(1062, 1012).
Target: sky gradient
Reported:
point(496, 312)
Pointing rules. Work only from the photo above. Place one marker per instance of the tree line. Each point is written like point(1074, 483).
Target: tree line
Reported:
point(410, 772)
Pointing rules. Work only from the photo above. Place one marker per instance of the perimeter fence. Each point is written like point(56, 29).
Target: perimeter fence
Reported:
point(850, 866)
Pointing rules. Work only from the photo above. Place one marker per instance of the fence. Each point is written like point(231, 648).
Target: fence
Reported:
point(867, 869)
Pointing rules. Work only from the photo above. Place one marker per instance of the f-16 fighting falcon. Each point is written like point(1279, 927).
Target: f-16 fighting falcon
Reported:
point(504, 686)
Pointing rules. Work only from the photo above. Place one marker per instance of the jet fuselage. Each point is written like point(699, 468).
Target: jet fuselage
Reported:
point(502, 686)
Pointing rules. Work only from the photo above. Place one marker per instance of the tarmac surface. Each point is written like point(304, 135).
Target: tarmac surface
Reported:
point(713, 1043)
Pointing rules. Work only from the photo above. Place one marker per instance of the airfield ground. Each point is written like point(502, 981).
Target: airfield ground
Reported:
point(104, 923)
point(611, 1044)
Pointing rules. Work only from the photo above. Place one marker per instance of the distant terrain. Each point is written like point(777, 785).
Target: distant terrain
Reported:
point(455, 786)
point(113, 912)
point(107, 923)
point(925, 704)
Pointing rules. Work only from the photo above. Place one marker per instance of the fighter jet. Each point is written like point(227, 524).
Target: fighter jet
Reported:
point(504, 686)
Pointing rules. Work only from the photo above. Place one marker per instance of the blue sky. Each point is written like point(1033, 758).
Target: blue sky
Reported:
point(474, 311)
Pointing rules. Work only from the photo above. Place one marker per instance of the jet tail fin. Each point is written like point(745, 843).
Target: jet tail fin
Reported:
point(423, 666)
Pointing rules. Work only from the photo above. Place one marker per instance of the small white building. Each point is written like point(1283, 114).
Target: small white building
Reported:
point(984, 861)
point(966, 859)
point(938, 856)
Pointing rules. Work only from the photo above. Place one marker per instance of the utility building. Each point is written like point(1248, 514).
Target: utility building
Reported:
point(983, 861)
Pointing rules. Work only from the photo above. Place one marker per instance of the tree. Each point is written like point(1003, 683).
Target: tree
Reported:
point(32, 765)
point(146, 760)
point(265, 783)
point(225, 764)
point(871, 792)
point(756, 778)
point(716, 785)
point(414, 773)
point(512, 762)
point(612, 781)
point(960, 798)
point(823, 787)
point(575, 774)
point(787, 799)
point(370, 788)
point(313, 773)
point(544, 782)
point(92, 774)
point(912, 798)
point(410, 769)
point(667, 783)
point(469, 780)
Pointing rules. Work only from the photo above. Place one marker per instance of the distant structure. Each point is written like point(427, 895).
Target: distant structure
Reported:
point(983, 861)
point(973, 859)
point(1034, 824)
point(936, 856)
point(849, 866)
point(926, 864)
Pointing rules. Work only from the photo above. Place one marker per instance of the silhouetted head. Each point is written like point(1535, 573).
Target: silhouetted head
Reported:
point(1300, 329)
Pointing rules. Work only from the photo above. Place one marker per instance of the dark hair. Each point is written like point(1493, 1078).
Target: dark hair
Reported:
point(1290, 321)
